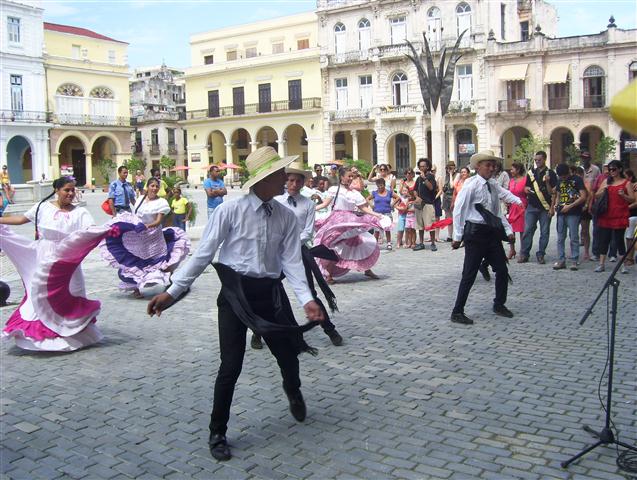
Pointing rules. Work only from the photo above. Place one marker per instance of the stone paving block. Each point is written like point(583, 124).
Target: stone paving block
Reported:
point(27, 427)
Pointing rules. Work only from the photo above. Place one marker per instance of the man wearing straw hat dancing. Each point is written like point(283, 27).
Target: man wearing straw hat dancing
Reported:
point(480, 223)
point(259, 241)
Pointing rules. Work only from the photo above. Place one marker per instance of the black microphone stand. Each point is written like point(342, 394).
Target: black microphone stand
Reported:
point(606, 436)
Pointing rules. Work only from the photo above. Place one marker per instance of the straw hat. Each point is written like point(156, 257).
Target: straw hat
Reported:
point(299, 169)
point(482, 156)
point(264, 161)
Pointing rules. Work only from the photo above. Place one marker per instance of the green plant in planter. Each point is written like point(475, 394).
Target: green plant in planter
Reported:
point(525, 151)
point(605, 150)
point(106, 166)
point(166, 163)
point(133, 164)
point(362, 166)
point(572, 154)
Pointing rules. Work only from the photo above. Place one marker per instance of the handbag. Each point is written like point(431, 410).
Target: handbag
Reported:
point(600, 204)
point(106, 206)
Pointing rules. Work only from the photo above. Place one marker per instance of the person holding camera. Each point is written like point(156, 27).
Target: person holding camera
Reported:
point(426, 190)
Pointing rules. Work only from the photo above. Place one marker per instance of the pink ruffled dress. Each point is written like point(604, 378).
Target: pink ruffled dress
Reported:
point(145, 258)
point(347, 234)
point(54, 314)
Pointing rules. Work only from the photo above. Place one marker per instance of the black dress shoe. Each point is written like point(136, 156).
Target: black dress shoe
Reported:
point(297, 405)
point(502, 311)
point(335, 337)
point(484, 270)
point(219, 448)
point(461, 318)
point(255, 342)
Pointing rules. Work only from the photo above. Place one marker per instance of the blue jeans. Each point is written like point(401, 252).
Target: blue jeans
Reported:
point(570, 223)
point(531, 217)
point(179, 220)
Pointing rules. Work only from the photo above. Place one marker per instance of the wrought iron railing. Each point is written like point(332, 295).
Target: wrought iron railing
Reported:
point(594, 101)
point(172, 149)
point(30, 116)
point(460, 106)
point(516, 105)
point(349, 57)
point(390, 109)
point(354, 113)
point(154, 149)
point(98, 120)
point(255, 108)
point(558, 103)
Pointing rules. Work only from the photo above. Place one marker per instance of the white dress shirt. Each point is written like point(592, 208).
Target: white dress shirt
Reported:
point(304, 211)
point(475, 191)
point(252, 244)
point(346, 199)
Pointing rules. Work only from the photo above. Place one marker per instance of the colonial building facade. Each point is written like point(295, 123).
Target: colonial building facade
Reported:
point(158, 101)
point(514, 78)
point(253, 85)
point(88, 97)
point(23, 114)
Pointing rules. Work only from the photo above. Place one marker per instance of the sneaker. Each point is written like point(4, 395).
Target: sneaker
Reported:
point(523, 259)
point(335, 337)
point(461, 318)
point(255, 342)
point(574, 266)
point(559, 265)
point(502, 311)
point(389, 247)
point(612, 259)
point(600, 268)
point(419, 246)
point(433, 247)
point(594, 258)
point(623, 269)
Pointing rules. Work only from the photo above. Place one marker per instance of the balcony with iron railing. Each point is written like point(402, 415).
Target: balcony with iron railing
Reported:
point(515, 105)
point(24, 116)
point(350, 114)
point(279, 106)
point(154, 149)
point(172, 149)
point(349, 57)
point(461, 107)
point(90, 120)
point(594, 101)
point(558, 103)
point(397, 112)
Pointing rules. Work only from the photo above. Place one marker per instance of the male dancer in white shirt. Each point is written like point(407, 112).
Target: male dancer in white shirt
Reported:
point(478, 200)
point(259, 240)
point(304, 210)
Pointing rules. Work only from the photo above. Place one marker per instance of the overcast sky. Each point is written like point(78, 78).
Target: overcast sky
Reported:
point(160, 29)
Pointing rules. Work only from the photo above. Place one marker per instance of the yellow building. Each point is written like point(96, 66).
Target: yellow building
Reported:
point(253, 85)
point(88, 95)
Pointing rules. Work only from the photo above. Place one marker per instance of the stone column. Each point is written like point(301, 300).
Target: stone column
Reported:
point(88, 166)
point(283, 147)
point(54, 166)
point(253, 146)
point(229, 159)
point(452, 145)
point(355, 153)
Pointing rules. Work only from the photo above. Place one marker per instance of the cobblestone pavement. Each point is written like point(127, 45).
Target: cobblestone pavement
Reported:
point(409, 395)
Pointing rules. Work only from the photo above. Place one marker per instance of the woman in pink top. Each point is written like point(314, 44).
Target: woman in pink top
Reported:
point(458, 183)
point(516, 212)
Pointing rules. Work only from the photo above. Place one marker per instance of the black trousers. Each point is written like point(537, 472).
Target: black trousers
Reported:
point(232, 344)
point(483, 246)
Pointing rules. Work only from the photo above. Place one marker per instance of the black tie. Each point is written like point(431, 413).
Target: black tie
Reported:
point(126, 196)
point(488, 186)
point(267, 208)
point(291, 201)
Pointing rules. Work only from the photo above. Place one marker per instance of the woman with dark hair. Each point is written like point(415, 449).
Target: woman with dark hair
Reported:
point(54, 314)
point(585, 219)
point(347, 233)
point(614, 221)
point(516, 212)
point(146, 259)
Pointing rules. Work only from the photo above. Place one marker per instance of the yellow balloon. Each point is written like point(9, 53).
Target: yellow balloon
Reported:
point(623, 108)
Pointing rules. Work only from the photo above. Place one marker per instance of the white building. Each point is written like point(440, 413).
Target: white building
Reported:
point(23, 114)
point(157, 102)
point(511, 80)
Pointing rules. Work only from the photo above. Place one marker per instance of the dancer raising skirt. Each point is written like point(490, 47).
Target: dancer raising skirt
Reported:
point(54, 314)
point(145, 254)
point(346, 230)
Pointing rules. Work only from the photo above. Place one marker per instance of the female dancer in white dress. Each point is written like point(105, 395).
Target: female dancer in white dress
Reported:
point(346, 230)
point(54, 314)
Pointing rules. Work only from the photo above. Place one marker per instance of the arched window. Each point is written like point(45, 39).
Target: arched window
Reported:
point(102, 105)
point(339, 38)
point(632, 71)
point(594, 88)
point(399, 88)
point(69, 90)
point(434, 28)
point(364, 35)
point(102, 92)
point(463, 19)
